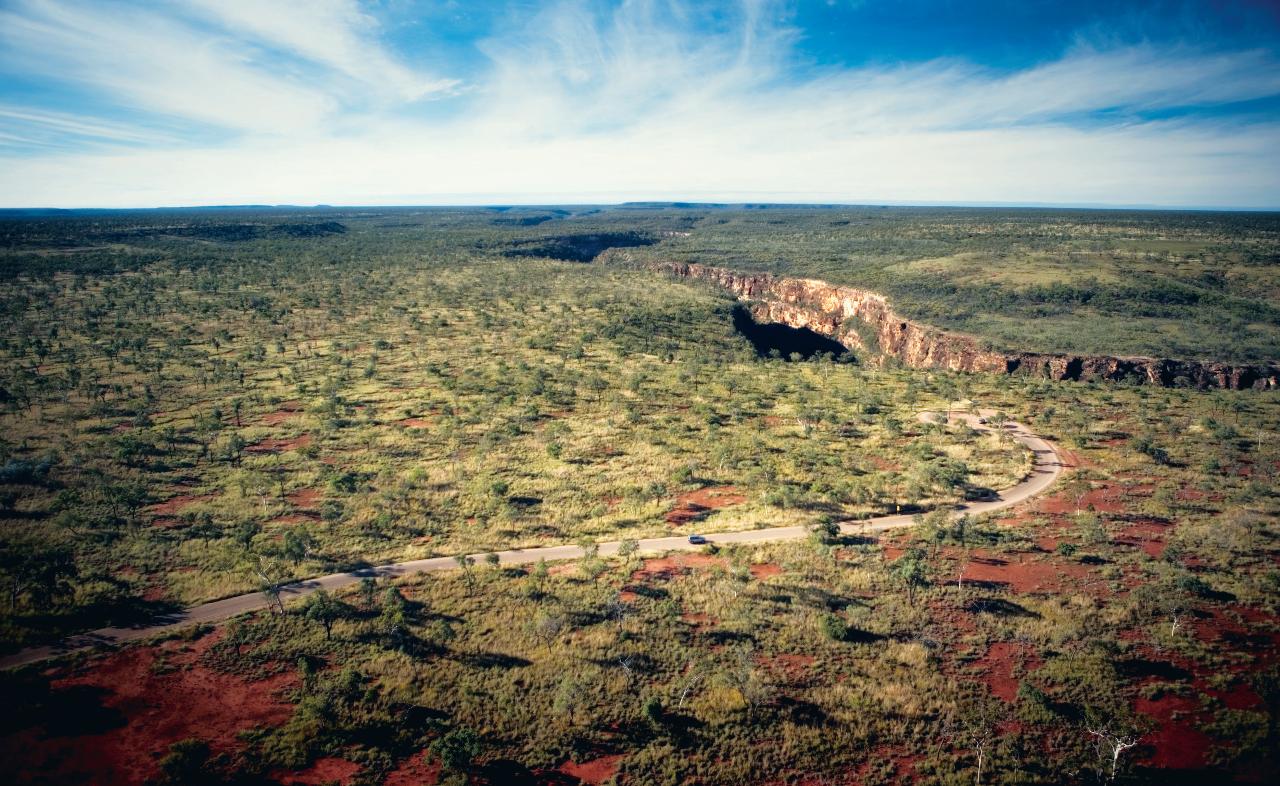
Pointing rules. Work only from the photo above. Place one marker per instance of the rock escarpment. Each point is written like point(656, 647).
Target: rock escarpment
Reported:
point(864, 320)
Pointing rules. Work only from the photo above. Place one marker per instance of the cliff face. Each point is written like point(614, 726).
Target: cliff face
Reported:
point(860, 319)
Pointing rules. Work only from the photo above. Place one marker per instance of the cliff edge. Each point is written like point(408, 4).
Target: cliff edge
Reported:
point(864, 320)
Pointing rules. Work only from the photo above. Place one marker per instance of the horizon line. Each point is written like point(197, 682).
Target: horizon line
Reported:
point(654, 203)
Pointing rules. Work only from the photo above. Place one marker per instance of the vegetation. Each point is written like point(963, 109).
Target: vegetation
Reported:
point(201, 405)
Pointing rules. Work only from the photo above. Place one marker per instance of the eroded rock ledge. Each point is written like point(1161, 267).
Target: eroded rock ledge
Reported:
point(864, 320)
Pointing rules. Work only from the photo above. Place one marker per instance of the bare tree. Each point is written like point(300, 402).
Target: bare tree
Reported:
point(975, 726)
point(1112, 739)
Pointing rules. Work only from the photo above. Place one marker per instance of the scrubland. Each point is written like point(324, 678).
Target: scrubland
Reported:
point(190, 412)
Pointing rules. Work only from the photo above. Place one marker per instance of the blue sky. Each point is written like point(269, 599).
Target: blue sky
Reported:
point(124, 103)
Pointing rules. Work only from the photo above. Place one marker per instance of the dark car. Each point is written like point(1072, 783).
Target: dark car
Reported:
point(697, 540)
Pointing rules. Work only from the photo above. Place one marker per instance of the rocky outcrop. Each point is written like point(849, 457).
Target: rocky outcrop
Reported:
point(864, 320)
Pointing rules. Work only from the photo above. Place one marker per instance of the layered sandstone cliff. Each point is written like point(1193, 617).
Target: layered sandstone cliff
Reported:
point(864, 320)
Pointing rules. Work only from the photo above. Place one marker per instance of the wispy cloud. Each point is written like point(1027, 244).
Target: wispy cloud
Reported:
point(335, 33)
point(647, 99)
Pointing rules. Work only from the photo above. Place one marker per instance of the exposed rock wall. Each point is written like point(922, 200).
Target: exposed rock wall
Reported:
point(860, 319)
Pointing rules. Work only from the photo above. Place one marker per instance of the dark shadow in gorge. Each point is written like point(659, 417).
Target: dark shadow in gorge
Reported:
point(769, 338)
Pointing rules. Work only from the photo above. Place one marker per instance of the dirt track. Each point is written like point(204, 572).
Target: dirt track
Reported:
point(1046, 468)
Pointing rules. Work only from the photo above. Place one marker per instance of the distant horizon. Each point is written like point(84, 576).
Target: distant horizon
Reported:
point(689, 204)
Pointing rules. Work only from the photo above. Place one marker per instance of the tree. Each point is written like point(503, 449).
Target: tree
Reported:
point(368, 592)
point(456, 750)
point(826, 531)
point(1112, 739)
point(834, 627)
point(568, 697)
point(539, 576)
point(492, 560)
point(40, 571)
point(271, 575)
point(325, 609)
point(547, 628)
point(628, 547)
point(912, 571)
point(296, 545)
point(393, 618)
point(465, 562)
point(975, 726)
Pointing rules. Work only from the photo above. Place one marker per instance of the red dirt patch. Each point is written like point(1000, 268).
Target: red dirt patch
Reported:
point(675, 565)
point(1024, 577)
point(1175, 744)
point(695, 505)
point(414, 423)
point(175, 505)
point(892, 551)
point(789, 664)
point(279, 445)
point(698, 619)
point(288, 409)
point(884, 464)
point(296, 518)
point(414, 771)
point(594, 772)
point(322, 771)
point(155, 710)
point(997, 667)
point(306, 499)
point(764, 570)
point(1146, 535)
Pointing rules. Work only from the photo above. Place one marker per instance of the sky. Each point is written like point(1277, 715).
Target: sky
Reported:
point(124, 103)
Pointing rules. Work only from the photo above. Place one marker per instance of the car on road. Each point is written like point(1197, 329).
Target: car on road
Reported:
point(697, 540)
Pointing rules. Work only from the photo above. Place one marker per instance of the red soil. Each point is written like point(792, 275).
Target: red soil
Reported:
point(321, 772)
point(1146, 535)
point(694, 505)
point(414, 423)
point(884, 464)
point(594, 772)
point(279, 445)
point(296, 518)
point(414, 771)
point(288, 409)
point(1024, 577)
point(675, 565)
point(789, 665)
point(891, 551)
point(1238, 697)
point(698, 620)
point(155, 710)
point(306, 499)
point(627, 596)
point(764, 570)
point(996, 668)
point(176, 504)
point(1175, 744)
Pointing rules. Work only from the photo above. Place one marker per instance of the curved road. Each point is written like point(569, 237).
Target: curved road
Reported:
point(1046, 468)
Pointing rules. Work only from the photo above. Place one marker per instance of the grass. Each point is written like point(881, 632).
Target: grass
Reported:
point(454, 399)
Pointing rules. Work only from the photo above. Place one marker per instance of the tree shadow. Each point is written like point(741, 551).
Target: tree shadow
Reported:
point(491, 660)
point(1138, 668)
point(1000, 607)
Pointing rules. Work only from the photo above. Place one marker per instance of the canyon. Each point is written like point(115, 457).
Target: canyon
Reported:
point(865, 321)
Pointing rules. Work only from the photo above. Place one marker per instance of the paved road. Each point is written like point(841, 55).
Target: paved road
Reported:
point(1046, 468)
